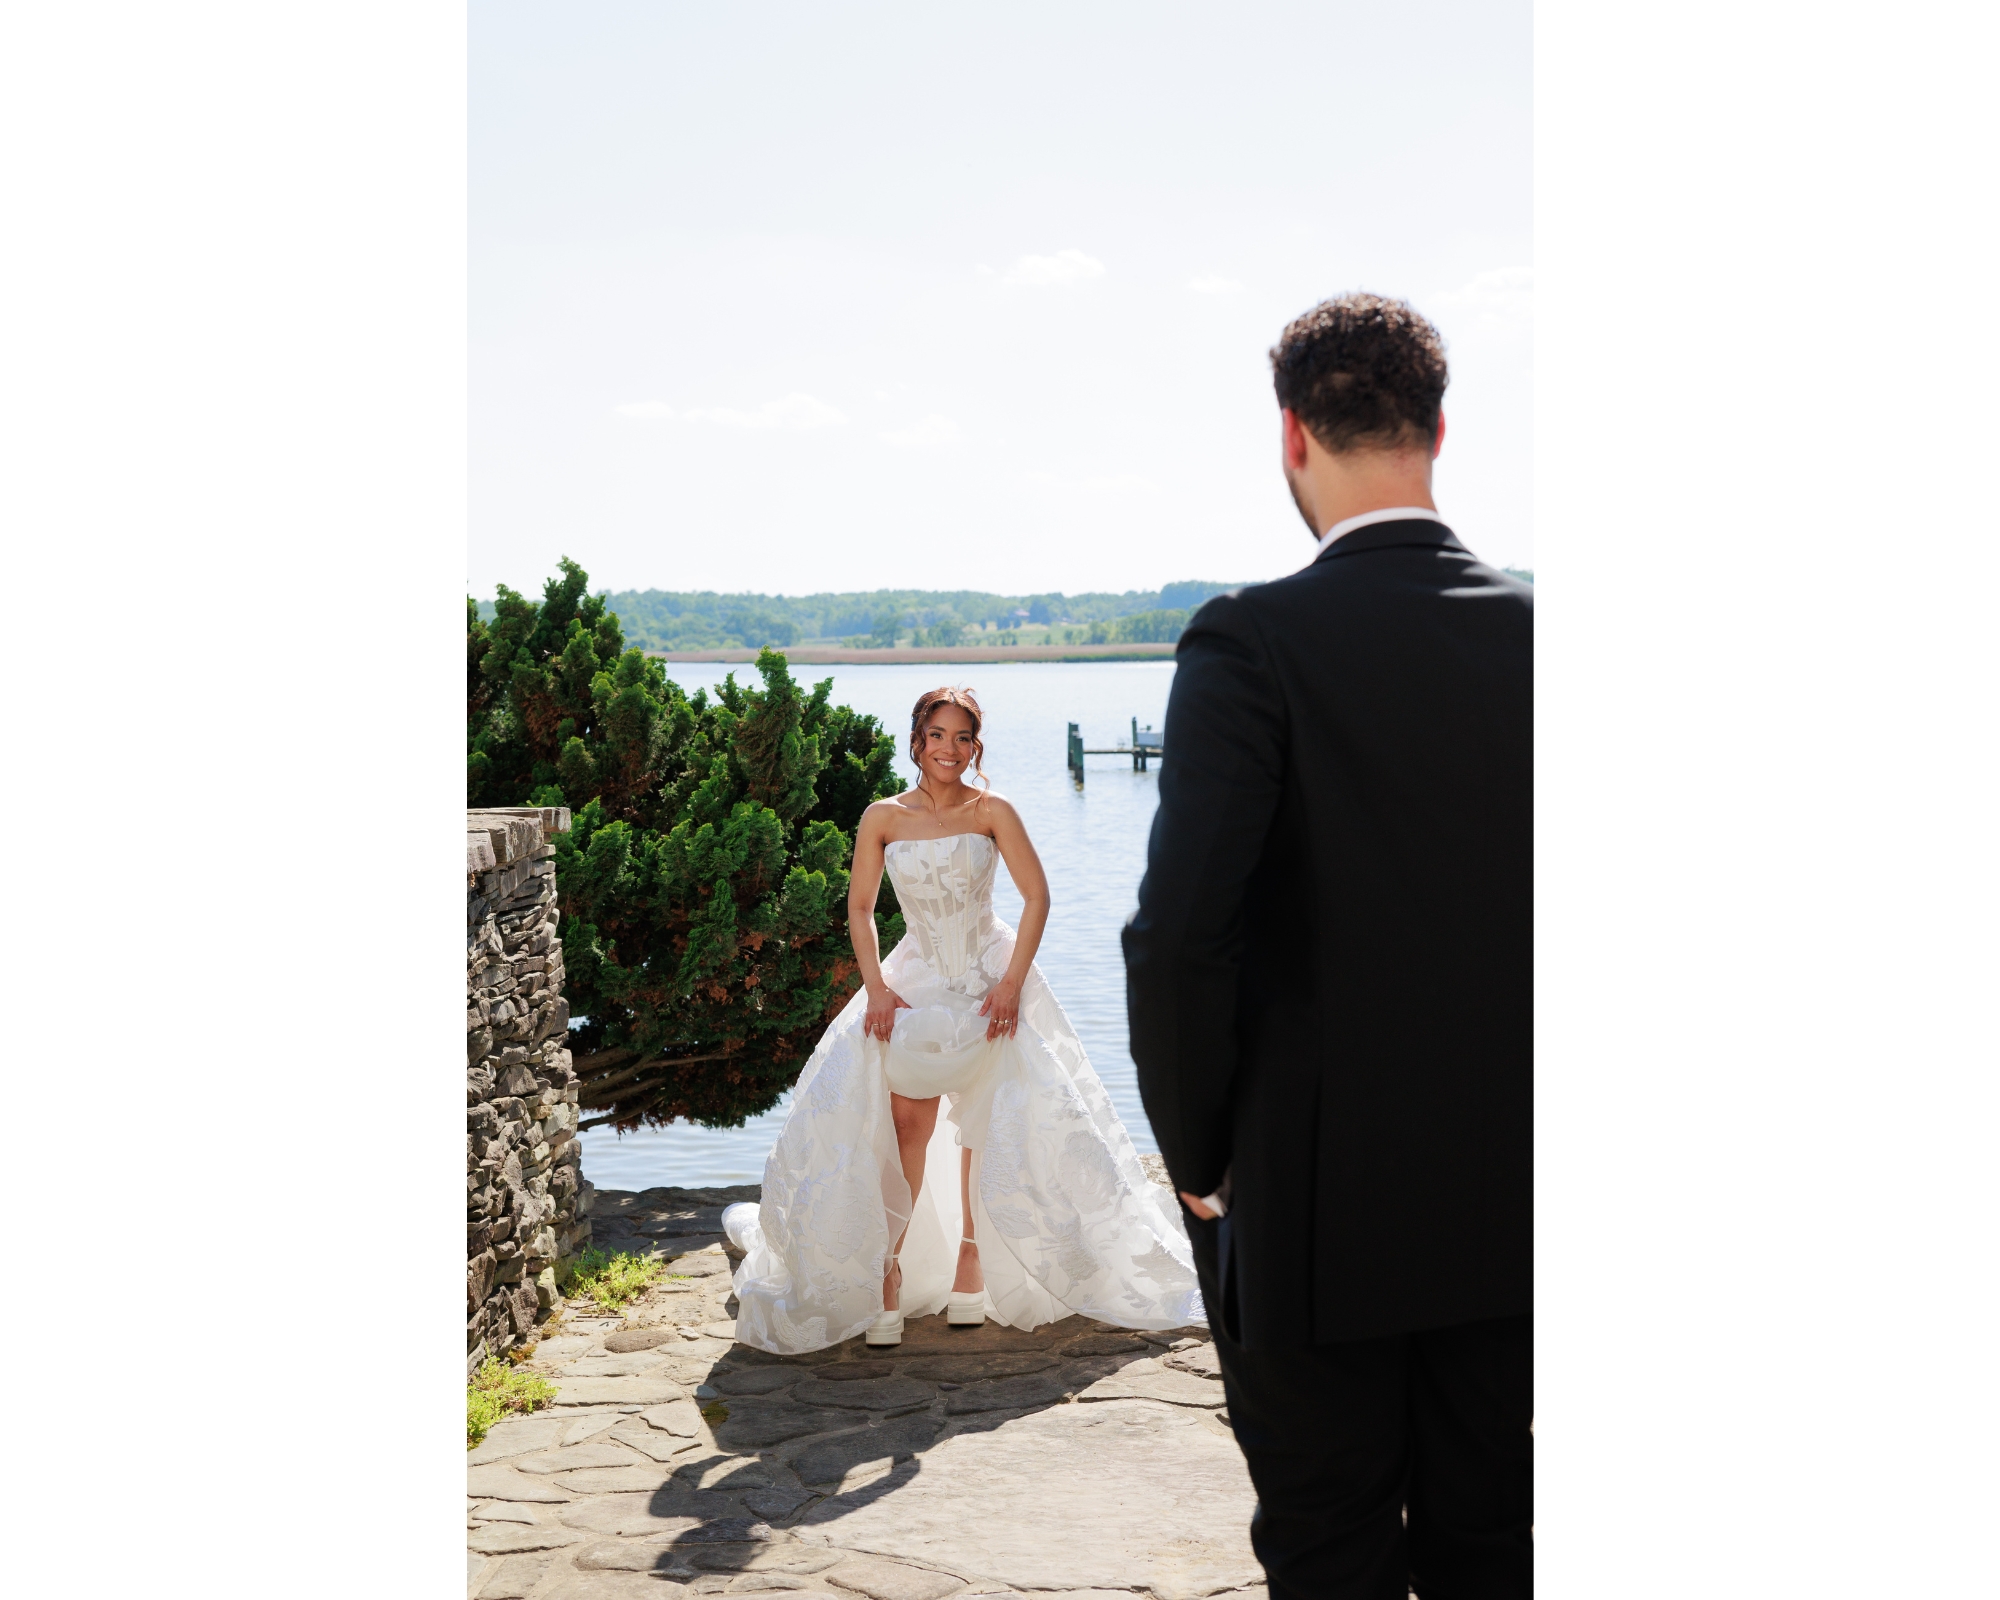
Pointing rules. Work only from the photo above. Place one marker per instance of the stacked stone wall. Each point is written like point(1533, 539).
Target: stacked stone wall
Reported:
point(525, 1200)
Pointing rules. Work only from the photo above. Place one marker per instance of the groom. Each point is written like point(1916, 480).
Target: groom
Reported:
point(1330, 984)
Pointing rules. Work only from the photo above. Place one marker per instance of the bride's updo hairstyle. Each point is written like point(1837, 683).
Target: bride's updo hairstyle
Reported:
point(928, 702)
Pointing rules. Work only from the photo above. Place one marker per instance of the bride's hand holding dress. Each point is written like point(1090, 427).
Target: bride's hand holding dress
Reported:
point(880, 1016)
point(1003, 1005)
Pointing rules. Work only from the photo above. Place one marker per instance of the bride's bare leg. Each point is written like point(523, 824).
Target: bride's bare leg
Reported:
point(970, 1279)
point(914, 1121)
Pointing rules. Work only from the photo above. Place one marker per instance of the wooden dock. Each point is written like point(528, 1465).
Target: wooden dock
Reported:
point(1146, 746)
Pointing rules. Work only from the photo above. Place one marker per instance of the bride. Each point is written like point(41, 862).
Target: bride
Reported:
point(1051, 1213)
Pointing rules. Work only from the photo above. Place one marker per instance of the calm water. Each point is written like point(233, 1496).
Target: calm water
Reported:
point(1092, 843)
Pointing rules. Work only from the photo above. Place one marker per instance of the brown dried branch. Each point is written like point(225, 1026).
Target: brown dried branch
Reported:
point(599, 1059)
point(595, 1090)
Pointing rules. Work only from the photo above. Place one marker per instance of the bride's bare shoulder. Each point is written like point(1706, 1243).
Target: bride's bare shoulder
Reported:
point(882, 816)
point(996, 808)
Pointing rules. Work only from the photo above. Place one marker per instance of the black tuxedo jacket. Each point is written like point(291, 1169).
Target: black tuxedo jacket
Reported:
point(1330, 974)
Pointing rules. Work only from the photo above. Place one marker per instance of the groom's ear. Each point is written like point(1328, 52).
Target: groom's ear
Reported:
point(1437, 444)
point(1294, 432)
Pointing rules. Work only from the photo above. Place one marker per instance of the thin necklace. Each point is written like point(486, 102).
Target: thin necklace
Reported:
point(936, 810)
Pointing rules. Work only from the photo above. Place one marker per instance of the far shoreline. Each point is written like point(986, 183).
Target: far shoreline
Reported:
point(935, 655)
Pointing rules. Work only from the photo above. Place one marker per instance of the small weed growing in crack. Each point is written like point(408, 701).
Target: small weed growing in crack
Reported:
point(498, 1390)
point(612, 1280)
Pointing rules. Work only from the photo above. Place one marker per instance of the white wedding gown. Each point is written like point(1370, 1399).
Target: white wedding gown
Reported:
point(1066, 1219)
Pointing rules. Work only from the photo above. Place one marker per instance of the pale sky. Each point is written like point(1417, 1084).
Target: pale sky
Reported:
point(812, 296)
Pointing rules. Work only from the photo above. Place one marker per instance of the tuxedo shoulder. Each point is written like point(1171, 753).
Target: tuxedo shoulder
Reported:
point(1223, 625)
point(1225, 610)
point(1520, 588)
point(1260, 602)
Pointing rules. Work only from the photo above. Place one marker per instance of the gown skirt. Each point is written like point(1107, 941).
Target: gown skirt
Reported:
point(1066, 1219)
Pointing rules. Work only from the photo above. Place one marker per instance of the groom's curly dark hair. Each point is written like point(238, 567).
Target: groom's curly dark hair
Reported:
point(1362, 372)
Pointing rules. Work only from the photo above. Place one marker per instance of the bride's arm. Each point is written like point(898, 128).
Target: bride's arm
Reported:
point(864, 883)
point(1003, 1001)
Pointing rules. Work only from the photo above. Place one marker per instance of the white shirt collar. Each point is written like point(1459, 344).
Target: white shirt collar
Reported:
point(1369, 518)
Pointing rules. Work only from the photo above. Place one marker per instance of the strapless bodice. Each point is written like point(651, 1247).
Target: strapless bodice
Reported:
point(945, 887)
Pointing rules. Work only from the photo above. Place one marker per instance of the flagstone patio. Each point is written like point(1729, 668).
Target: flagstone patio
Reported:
point(1076, 1461)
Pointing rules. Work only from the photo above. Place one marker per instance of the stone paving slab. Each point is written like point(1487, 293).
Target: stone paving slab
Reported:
point(587, 1391)
point(632, 1339)
point(679, 1417)
point(749, 1424)
point(507, 1511)
point(651, 1442)
point(884, 1580)
point(590, 1425)
point(828, 1461)
point(519, 1436)
point(970, 1368)
point(1131, 1494)
point(1148, 1380)
point(757, 1380)
point(662, 1556)
point(503, 1538)
point(609, 1586)
point(640, 1363)
point(507, 1483)
point(1073, 1462)
point(595, 1453)
point(1199, 1358)
point(1032, 1389)
point(654, 1513)
point(725, 1474)
point(870, 1394)
point(514, 1577)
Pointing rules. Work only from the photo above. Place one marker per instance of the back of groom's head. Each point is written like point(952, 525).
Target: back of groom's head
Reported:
point(1362, 372)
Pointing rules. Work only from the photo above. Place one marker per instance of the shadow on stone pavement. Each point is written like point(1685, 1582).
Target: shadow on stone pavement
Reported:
point(1072, 1461)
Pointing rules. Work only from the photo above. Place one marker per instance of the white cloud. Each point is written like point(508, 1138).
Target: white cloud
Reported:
point(1505, 294)
point(796, 412)
point(1065, 266)
point(933, 433)
point(1215, 285)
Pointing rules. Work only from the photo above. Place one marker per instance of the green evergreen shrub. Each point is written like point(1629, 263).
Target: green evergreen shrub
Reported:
point(703, 884)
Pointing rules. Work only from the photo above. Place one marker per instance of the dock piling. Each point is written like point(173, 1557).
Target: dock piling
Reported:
point(1146, 746)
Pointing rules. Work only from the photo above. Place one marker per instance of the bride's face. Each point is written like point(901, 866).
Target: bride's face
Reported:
point(947, 753)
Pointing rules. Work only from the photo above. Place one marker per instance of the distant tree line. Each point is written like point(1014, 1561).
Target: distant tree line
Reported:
point(664, 619)
point(1141, 627)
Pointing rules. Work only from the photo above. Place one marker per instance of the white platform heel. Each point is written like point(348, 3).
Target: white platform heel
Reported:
point(966, 1310)
point(888, 1328)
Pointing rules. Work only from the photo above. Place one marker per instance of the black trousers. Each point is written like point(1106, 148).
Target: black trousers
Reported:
point(1343, 1439)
